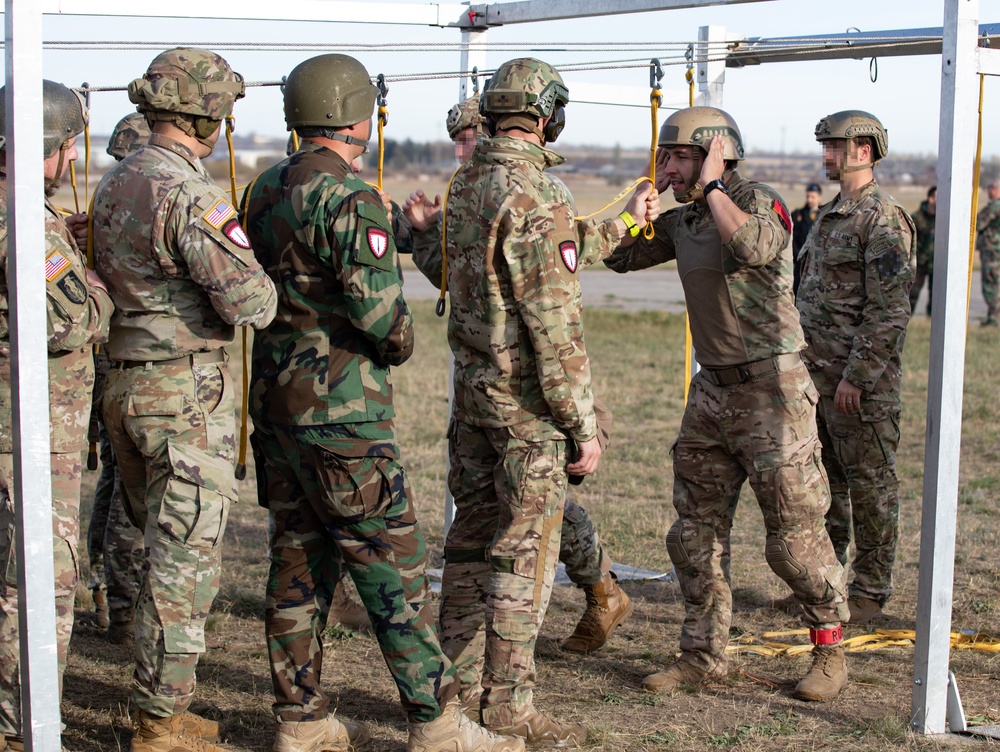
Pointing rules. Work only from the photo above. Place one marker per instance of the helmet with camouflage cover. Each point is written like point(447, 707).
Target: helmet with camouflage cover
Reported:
point(852, 124)
point(696, 126)
point(328, 91)
point(64, 115)
point(130, 135)
point(520, 93)
point(194, 89)
point(465, 115)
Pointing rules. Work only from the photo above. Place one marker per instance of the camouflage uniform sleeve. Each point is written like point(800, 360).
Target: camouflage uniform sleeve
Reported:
point(987, 217)
point(765, 234)
point(426, 246)
point(218, 256)
point(78, 313)
point(370, 274)
point(541, 253)
point(643, 253)
point(888, 273)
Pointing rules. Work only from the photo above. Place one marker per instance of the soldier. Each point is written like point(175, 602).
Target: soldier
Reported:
point(588, 565)
point(751, 408)
point(923, 220)
point(802, 222)
point(328, 463)
point(78, 310)
point(114, 544)
point(523, 416)
point(854, 303)
point(988, 240)
point(182, 277)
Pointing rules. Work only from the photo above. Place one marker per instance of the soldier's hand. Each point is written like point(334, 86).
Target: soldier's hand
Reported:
point(639, 204)
point(714, 164)
point(94, 281)
point(421, 211)
point(77, 224)
point(847, 400)
point(588, 455)
point(386, 201)
point(662, 183)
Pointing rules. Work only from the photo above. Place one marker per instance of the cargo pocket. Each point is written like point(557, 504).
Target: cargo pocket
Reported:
point(791, 484)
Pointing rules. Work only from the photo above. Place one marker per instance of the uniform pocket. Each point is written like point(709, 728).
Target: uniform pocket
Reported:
point(193, 508)
point(354, 488)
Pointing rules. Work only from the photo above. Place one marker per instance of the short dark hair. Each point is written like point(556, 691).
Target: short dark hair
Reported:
point(932, 191)
point(814, 187)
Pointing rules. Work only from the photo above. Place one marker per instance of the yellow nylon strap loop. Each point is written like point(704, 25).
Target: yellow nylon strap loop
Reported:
point(621, 194)
point(241, 464)
point(72, 182)
point(975, 194)
point(383, 118)
point(654, 108)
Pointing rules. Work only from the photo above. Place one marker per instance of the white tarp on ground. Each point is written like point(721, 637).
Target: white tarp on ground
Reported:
point(623, 571)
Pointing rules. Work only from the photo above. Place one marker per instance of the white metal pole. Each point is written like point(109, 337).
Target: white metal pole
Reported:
point(956, 153)
point(32, 490)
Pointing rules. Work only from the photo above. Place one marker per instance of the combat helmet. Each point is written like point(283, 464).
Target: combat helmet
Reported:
point(696, 126)
point(520, 93)
point(852, 124)
point(464, 115)
point(130, 135)
point(194, 89)
point(327, 92)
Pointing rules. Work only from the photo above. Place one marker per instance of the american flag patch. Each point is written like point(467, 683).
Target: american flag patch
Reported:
point(219, 213)
point(55, 264)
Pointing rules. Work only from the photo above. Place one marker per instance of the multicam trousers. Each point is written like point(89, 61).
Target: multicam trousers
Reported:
point(329, 509)
point(859, 452)
point(500, 560)
point(66, 472)
point(764, 430)
point(173, 432)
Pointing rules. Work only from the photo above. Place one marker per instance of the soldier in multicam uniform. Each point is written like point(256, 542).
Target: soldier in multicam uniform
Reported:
point(923, 221)
point(588, 564)
point(182, 277)
point(854, 303)
point(114, 544)
point(751, 408)
point(988, 241)
point(78, 310)
point(523, 416)
point(328, 464)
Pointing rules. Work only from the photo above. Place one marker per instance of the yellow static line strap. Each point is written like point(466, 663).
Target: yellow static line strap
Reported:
point(881, 638)
point(688, 342)
point(295, 139)
point(439, 308)
point(72, 182)
point(383, 118)
point(622, 194)
point(975, 195)
point(241, 464)
point(654, 107)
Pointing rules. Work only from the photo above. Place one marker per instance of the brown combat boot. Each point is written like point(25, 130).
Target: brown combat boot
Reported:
point(345, 610)
point(827, 677)
point(157, 734)
point(539, 730)
point(121, 630)
point(862, 609)
point(453, 732)
point(607, 607)
point(101, 612)
point(327, 735)
point(679, 674)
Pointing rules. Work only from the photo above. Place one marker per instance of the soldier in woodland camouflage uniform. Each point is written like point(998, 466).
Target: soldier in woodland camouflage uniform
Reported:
point(855, 305)
point(523, 413)
point(751, 408)
point(923, 221)
point(78, 310)
point(588, 565)
point(328, 464)
point(182, 277)
point(114, 544)
point(988, 241)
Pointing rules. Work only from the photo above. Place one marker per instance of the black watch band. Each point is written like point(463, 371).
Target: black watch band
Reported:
point(712, 185)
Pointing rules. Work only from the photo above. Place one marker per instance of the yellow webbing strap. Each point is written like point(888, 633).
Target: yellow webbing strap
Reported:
point(92, 454)
point(295, 140)
point(975, 194)
point(241, 463)
point(768, 645)
point(621, 194)
point(439, 308)
point(688, 342)
point(383, 118)
point(72, 182)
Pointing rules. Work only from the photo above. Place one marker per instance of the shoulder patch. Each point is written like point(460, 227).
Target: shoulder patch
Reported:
point(235, 232)
point(73, 288)
point(378, 241)
point(782, 212)
point(567, 249)
point(55, 264)
point(220, 213)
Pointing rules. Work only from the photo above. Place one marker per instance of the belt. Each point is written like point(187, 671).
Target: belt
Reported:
point(755, 371)
point(194, 359)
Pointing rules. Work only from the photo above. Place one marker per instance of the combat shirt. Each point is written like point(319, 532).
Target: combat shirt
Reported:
point(515, 327)
point(923, 223)
point(739, 293)
point(325, 238)
point(857, 267)
point(77, 316)
point(176, 261)
point(988, 226)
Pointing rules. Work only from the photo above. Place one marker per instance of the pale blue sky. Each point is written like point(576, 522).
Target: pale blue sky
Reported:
point(775, 104)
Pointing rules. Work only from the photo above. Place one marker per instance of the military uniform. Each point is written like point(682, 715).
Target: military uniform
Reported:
point(988, 241)
point(182, 276)
point(923, 222)
point(802, 222)
point(750, 414)
point(327, 458)
point(78, 316)
point(854, 305)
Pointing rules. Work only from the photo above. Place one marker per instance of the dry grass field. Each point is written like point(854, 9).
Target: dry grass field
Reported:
point(638, 367)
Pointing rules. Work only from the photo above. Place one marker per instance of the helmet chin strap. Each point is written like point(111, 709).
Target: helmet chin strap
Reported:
point(352, 140)
point(53, 184)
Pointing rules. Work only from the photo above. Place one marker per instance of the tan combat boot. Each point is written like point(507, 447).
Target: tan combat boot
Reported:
point(679, 674)
point(827, 676)
point(863, 610)
point(157, 734)
point(345, 610)
point(453, 732)
point(201, 727)
point(101, 608)
point(607, 607)
point(539, 730)
point(327, 735)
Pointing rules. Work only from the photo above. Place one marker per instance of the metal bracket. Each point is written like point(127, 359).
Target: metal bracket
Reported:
point(475, 80)
point(956, 715)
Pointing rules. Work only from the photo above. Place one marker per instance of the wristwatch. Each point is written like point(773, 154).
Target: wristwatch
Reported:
point(630, 223)
point(712, 185)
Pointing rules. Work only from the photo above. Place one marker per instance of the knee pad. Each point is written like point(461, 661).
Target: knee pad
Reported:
point(780, 559)
point(675, 547)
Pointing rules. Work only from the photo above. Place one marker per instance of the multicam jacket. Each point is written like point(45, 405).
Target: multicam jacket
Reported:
point(177, 263)
point(854, 295)
point(77, 315)
point(514, 250)
point(739, 293)
point(325, 238)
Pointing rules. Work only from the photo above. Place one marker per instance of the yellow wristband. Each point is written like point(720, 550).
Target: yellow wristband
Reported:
point(630, 224)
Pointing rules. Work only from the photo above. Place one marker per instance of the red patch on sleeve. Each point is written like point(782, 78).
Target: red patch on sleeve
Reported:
point(782, 213)
point(378, 241)
point(567, 250)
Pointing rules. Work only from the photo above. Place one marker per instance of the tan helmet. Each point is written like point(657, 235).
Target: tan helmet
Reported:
point(465, 115)
point(850, 124)
point(193, 88)
point(328, 91)
point(695, 126)
point(130, 135)
point(523, 91)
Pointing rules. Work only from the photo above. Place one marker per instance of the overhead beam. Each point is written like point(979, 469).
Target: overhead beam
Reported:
point(526, 11)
